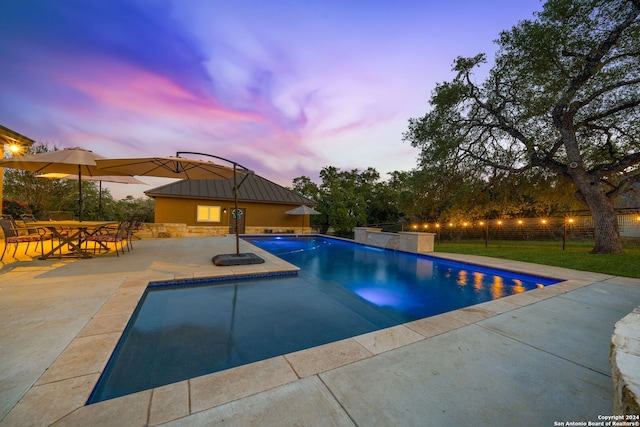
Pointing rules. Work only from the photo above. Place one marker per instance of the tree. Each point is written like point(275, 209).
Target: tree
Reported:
point(340, 200)
point(563, 97)
point(310, 189)
point(347, 199)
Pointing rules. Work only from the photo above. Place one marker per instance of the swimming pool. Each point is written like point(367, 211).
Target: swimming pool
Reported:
point(181, 329)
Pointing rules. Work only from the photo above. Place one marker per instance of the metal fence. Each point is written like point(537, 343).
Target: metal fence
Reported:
point(574, 227)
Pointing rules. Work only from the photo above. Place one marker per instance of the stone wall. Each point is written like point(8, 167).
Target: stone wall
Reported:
point(625, 364)
point(403, 241)
point(177, 230)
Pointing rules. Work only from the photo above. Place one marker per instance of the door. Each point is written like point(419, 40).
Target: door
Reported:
point(232, 221)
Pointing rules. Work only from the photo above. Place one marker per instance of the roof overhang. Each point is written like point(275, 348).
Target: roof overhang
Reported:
point(9, 137)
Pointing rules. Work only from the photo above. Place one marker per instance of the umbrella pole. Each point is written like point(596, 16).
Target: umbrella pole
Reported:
point(100, 202)
point(235, 201)
point(79, 193)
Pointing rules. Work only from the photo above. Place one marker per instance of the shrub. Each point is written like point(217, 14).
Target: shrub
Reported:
point(15, 209)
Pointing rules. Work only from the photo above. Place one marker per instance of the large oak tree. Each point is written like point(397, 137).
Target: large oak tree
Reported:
point(563, 97)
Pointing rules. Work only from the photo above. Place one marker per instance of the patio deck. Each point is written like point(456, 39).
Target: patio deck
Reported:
point(529, 359)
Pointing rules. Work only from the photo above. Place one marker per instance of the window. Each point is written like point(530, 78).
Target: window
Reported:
point(208, 214)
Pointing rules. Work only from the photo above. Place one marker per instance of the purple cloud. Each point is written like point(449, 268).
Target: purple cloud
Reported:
point(285, 89)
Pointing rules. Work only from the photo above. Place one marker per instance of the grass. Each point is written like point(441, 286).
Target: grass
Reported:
point(575, 256)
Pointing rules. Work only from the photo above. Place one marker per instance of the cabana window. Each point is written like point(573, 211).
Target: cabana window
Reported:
point(208, 213)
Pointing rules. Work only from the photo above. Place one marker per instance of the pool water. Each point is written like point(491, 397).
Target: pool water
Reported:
point(408, 286)
point(343, 289)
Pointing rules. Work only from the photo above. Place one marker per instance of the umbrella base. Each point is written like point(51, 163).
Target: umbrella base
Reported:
point(236, 259)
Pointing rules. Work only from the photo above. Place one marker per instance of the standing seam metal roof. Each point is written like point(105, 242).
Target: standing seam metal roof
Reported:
point(253, 189)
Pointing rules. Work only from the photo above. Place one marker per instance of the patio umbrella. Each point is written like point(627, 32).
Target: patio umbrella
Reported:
point(76, 161)
point(124, 179)
point(303, 210)
point(184, 168)
point(168, 167)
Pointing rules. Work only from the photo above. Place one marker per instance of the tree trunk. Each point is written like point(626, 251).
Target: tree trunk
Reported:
point(590, 191)
point(606, 232)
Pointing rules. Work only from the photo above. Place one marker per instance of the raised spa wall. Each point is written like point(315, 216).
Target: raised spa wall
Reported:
point(406, 241)
point(625, 364)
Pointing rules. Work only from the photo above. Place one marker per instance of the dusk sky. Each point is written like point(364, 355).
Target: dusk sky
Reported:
point(282, 87)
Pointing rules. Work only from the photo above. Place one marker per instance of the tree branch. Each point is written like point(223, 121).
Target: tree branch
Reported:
point(592, 64)
point(619, 166)
point(576, 105)
point(619, 108)
point(623, 186)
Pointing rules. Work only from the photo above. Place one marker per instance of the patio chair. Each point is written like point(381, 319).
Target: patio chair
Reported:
point(110, 236)
point(12, 236)
point(134, 225)
point(137, 226)
point(28, 218)
point(24, 225)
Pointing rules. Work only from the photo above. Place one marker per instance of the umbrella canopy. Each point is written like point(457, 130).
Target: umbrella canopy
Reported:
point(168, 167)
point(75, 161)
point(303, 210)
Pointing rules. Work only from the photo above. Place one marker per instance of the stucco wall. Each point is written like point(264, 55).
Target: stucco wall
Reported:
point(257, 215)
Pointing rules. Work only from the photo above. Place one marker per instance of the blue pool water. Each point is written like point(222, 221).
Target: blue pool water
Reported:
point(180, 331)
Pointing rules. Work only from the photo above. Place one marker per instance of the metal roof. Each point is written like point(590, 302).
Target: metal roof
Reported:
point(253, 189)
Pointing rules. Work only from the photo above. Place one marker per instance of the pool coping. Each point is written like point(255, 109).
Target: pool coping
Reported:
point(68, 382)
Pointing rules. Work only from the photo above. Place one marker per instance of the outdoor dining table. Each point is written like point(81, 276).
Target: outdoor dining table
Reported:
point(73, 234)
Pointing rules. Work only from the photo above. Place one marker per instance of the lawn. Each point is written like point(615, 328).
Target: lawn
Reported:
point(576, 255)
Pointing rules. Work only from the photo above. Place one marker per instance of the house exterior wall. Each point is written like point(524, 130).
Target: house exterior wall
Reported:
point(258, 216)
